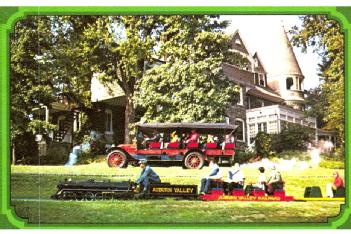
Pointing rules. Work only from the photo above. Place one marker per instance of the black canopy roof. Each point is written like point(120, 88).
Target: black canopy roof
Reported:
point(187, 127)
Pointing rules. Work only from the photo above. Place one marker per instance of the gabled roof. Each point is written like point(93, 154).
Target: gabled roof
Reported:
point(235, 38)
point(260, 68)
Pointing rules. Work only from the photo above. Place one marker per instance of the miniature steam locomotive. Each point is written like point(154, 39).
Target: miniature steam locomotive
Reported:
point(96, 190)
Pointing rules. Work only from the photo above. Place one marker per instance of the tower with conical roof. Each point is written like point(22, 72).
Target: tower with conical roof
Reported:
point(284, 73)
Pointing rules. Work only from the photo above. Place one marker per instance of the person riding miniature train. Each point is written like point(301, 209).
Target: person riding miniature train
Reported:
point(215, 174)
point(261, 182)
point(146, 177)
point(235, 178)
point(274, 181)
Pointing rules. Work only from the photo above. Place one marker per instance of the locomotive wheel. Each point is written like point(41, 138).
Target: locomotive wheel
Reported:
point(194, 160)
point(117, 158)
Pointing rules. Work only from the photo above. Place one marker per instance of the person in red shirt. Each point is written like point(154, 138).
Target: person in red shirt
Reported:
point(193, 138)
point(332, 187)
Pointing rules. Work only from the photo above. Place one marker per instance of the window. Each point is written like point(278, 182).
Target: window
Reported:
point(108, 121)
point(283, 116)
point(262, 81)
point(252, 119)
point(273, 127)
point(237, 41)
point(289, 83)
point(290, 118)
point(240, 131)
point(262, 127)
point(256, 78)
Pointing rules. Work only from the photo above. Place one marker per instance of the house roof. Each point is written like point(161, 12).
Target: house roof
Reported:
point(275, 52)
point(265, 93)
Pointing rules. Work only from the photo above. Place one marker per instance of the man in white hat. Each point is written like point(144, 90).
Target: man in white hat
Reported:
point(147, 176)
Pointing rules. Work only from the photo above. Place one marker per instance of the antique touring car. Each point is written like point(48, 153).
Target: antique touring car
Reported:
point(192, 155)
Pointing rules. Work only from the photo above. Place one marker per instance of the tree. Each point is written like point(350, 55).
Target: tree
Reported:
point(118, 48)
point(30, 81)
point(190, 84)
point(316, 105)
point(324, 36)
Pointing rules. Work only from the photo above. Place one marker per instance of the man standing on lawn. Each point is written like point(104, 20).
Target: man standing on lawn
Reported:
point(146, 177)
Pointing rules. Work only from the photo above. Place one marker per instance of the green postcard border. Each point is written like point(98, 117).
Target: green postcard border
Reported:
point(10, 15)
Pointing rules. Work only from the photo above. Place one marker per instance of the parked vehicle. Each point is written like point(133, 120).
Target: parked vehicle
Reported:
point(154, 144)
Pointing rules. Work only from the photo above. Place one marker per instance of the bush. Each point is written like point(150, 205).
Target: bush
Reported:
point(292, 137)
point(57, 154)
point(87, 158)
point(332, 164)
point(244, 156)
point(263, 144)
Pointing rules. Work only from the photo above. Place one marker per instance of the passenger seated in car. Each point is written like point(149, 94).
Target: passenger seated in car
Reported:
point(155, 138)
point(174, 137)
point(193, 137)
point(229, 139)
point(274, 181)
point(235, 178)
point(215, 174)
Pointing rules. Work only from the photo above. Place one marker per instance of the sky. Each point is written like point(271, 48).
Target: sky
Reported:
point(256, 30)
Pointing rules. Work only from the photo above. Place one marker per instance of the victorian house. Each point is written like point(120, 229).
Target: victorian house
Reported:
point(271, 94)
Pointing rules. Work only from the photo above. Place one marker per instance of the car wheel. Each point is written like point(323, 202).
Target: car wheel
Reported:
point(117, 158)
point(194, 160)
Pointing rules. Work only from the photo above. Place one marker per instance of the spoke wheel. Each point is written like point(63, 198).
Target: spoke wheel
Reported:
point(117, 158)
point(194, 160)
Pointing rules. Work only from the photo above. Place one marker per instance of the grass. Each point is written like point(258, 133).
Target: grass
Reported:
point(31, 187)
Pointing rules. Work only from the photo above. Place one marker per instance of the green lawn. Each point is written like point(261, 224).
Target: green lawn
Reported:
point(31, 187)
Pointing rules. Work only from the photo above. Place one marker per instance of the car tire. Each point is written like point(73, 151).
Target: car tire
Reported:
point(194, 160)
point(117, 158)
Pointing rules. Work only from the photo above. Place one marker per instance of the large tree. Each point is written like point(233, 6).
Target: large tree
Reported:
point(30, 82)
point(324, 36)
point(190, 84)
point(118, 49)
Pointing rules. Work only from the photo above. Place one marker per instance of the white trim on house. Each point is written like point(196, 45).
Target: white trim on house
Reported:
point(272, 116)
point(244, 129)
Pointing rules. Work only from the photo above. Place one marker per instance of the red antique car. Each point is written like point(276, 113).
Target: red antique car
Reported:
point(192, 155)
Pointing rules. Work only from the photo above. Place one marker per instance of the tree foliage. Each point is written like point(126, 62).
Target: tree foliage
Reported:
point(324, 36)
point(190, 84)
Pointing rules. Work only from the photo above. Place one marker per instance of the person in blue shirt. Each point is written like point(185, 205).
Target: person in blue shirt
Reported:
point(146, 177)
point(215, 174)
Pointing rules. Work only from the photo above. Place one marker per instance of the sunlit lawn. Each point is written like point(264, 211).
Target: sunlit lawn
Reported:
point(32, 186)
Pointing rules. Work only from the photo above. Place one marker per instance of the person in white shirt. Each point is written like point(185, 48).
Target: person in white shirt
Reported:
point(215, 174)
point(261, 182)
point(235, 177)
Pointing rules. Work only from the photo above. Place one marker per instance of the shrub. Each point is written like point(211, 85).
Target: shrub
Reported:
point(263, 144)
point(292, 137)
point(244, 156)
point(57, 154)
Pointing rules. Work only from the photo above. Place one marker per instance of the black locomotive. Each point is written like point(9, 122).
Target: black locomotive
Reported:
point(96, 190)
